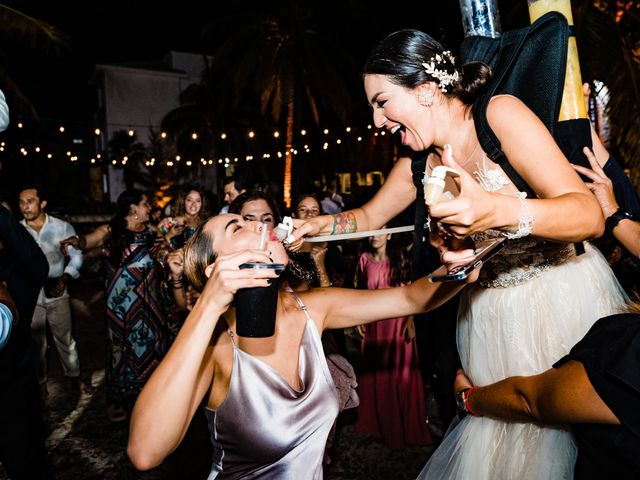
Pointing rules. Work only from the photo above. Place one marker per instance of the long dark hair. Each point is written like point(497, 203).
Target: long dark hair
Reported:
point(178, 206)
point(398, 251)
point(401, 54)
point(120, 236)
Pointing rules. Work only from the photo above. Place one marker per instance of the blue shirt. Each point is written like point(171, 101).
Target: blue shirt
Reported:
point(6, 320)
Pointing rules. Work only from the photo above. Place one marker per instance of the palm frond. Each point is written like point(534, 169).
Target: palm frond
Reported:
point(33, 32)
point(606, 48)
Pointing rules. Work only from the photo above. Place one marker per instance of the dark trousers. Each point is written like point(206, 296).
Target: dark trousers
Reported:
point(438, 353)
point(22, 433)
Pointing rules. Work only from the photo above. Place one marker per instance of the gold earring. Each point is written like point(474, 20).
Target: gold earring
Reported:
point(425, 98)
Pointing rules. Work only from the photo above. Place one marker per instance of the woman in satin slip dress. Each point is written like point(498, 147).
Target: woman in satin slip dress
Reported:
point(270, 401)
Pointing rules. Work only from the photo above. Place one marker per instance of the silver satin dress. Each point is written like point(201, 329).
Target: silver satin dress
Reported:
point(265, 428)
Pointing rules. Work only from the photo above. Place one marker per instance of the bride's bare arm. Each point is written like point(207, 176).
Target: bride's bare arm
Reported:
point(394, 196)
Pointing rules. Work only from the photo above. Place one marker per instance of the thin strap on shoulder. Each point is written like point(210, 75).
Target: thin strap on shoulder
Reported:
point(303, 307)
point(233, 340)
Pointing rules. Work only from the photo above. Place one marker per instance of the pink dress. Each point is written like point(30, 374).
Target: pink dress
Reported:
point(392, 404)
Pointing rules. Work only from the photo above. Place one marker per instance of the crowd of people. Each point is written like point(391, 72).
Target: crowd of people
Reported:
point(546, 333)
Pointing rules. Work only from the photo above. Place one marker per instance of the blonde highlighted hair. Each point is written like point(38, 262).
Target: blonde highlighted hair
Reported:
point(198, 254)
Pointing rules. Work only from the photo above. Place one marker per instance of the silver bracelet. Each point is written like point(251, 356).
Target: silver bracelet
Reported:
point(525, 223)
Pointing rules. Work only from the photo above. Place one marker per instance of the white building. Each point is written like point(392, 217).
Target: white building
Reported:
point(136, 96)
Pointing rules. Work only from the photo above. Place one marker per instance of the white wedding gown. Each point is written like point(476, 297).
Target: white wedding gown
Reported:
point(534, 301)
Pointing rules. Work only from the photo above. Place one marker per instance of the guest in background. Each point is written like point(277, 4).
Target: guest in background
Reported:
point(190, 208)
point(53, 307)
point(390, 388)
point(23, 268)
point(331, 202)
point(257, 207)
point(137, 337)
point(232, 187)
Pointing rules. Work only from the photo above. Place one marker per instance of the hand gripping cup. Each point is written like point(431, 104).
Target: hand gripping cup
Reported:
point(256, 307)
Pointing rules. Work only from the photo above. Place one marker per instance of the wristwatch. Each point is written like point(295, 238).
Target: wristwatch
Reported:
point(615, 218)
point(461, 401)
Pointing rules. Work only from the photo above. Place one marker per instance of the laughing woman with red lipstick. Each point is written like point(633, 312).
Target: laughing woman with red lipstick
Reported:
point(533, 300)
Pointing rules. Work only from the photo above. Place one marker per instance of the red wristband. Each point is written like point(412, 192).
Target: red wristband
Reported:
point(468, 405)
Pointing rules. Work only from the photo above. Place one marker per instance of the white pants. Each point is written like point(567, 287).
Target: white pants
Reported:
point(56, 312)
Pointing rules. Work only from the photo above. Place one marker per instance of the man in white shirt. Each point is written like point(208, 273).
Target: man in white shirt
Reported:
point(233, 187)
point(331, 202)
point(53, 302)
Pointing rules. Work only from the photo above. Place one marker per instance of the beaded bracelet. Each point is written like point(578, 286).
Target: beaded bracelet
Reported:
point(468, 405)
point(525, 223)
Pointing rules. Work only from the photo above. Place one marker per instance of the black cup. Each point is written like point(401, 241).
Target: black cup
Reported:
point(256, 307)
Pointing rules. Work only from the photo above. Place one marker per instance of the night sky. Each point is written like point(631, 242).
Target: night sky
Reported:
point(118, 31)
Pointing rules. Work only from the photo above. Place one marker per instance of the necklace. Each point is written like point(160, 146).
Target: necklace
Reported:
point(431, 164)
point(470, 156)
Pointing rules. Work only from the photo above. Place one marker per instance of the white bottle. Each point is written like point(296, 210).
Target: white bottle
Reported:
point(434, 185)
point(284, 229)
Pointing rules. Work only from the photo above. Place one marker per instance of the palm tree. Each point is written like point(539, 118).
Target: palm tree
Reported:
point(277, 59)
point(609, 40)
point(127, 152)
point(21, 29)
point(196, 114)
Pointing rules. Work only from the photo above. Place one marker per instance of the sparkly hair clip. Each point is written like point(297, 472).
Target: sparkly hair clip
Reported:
point(444, 78)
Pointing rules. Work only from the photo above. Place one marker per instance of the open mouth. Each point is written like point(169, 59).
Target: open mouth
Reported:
point(395, 129)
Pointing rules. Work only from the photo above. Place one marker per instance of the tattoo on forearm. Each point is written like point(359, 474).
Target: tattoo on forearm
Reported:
point(344, 223)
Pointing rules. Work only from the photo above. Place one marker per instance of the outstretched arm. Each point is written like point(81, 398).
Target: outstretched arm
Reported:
point(94, 239)
point(559, 395)
point(565, 210)
point(342, 307)
point(394, 196)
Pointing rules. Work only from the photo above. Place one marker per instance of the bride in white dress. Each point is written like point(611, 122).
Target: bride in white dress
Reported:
point(538, 297)
point(533, 302)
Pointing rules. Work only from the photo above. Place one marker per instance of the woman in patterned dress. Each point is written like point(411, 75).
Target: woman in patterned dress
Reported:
point(136, 322)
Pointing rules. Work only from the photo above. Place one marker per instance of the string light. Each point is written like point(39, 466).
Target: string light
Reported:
point(95, 157)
